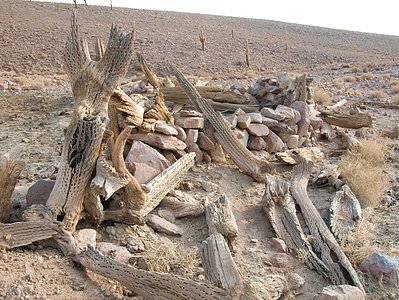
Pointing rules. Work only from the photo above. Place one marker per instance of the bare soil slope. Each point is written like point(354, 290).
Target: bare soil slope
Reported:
point(36, 103)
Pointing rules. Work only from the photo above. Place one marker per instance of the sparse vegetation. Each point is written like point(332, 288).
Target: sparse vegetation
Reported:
point(165, 256)
point(322, 97)
point(367, 76)
point(350, 79)
point(395, 89)
point(393, 82)
point(378, 94)
point(359, 243)
point(395, 100)
point(363, 168)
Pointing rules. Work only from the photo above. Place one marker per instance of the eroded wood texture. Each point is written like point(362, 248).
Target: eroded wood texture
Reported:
point(150, 285)
point(355, 121)
point(218, 263)
point(92, 85)
point(10, 168)
point(324, 243)
point(220, 218)
point(242, 157)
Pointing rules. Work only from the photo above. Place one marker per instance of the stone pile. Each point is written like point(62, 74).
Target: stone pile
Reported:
point(287, 119)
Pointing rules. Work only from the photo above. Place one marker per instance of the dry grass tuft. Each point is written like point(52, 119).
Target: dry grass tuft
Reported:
point(367, 76)
point(378, 94)
point(363, 168)
point(393, 82)
point(395, 89)
point(395, 100)
point(355, 69)
point(168, 257)
point(362, 242)
point(322, 97)
point(350, 79)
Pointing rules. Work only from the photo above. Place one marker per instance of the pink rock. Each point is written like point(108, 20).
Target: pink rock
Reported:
point(164, 128)
point(316, 122)
point(269, 122)
point(341, 292)
point(205, 142)
point(169, 156)
point(292, 141)
point(119, 253)
point(270, 113)
point(304, 122)
point(381, 265)
point(161, 225)
point(273, 143)
point(199, 156)
point(256, 143)
point(258, 129)
point(159, 140)
point(255, 117)
point(232, 119)
point(181, 134)
point(243, 121)
point(144, 162)
point(217, 154)
point(239, 112)
point(238, 133)
point(279, 244)
point(289, 113)
point(190, 113)
point(190, 122)
point(192, 137)
point(85, 237)
point(39, 192)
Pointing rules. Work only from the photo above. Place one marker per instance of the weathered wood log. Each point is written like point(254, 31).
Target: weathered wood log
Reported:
point(219, 106)
point(161, 225)
point(279, 206)
point(340, 268)
point(220, 218)
point(217, 94)
point(151, 77)
point(218, 263)
point(92, 85)
point(345, 210)
point(295, 156)
point(183, 204)
point(326, 131)
point(241, 156)
point(355, 121)
point(328, 177)
point(150, 285)
point(10, 168)
point(167, 180)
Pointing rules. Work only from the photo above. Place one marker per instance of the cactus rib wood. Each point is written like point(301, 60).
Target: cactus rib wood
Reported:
point(92, 85)
point(324, 242)
point(242, 157)
point(150, 285)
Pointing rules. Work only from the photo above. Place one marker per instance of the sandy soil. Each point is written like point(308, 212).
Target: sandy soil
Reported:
point(36, 104)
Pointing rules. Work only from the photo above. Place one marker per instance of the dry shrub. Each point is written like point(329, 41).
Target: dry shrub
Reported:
point(350, 79)
point(378, 94)
point(363, 168)
point(367, 76)
point(393, 82)
point(40, 82)
point(339, 83)
point(392, 134)
point(322, 97)
point(395, 89)
point(355, 69)
point(168, 257)
point(395, 100)
point(23, 81)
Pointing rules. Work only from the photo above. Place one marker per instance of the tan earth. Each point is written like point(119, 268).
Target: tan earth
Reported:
point(36, 103)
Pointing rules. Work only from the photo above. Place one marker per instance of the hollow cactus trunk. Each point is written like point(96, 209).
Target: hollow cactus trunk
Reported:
point(92, 85)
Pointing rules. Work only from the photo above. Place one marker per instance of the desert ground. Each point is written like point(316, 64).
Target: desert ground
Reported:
point(36, 106)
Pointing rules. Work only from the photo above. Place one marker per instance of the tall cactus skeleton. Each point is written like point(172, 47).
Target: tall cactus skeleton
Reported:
point(93, 83)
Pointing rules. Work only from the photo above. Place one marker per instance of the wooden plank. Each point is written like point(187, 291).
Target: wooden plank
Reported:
point(218, 263)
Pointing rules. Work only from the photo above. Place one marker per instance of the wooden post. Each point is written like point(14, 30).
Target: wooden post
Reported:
point(10, 168)
point(92, 85)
